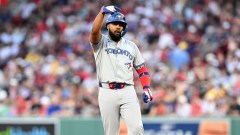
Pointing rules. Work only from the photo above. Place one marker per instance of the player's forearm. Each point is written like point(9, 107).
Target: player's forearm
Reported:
point(145, 80)
point(96, 29)
point(97, 23)
point(144, 77)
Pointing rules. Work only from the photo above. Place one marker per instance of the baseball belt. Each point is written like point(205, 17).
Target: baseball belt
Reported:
point(113, 85)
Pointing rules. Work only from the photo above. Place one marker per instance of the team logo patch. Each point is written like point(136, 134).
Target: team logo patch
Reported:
point(129, 65)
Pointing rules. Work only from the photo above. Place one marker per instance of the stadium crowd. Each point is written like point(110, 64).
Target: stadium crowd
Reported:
point(191, 47)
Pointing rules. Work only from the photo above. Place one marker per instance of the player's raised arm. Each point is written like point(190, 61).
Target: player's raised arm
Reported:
point(96, 33)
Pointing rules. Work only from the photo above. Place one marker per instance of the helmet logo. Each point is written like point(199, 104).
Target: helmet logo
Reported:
point(120, 17)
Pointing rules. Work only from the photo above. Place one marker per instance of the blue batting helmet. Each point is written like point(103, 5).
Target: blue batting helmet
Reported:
point(117, 17)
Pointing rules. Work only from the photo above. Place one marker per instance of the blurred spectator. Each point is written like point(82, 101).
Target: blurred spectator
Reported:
point(179, 57)
point(234, 109)
point(183, 108)
point(191, 48)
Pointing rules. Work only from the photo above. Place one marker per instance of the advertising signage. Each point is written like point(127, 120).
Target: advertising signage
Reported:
point(29, 127)
point(186, 127)
point(171, 128)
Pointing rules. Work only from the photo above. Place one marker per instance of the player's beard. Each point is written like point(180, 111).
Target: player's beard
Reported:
point(114, 37)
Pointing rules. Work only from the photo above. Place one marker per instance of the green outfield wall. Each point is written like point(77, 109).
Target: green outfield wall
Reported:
point(93, 126)
point(235, 125)
point(154, 125)
point(81, 126)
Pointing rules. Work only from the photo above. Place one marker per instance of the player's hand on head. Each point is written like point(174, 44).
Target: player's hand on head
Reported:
point(147, 95)
point(109, 9)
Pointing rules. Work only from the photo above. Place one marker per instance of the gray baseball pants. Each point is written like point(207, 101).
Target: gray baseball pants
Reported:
point(116, 103)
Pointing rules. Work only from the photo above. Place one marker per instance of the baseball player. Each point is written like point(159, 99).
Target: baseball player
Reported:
point(115, 59)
